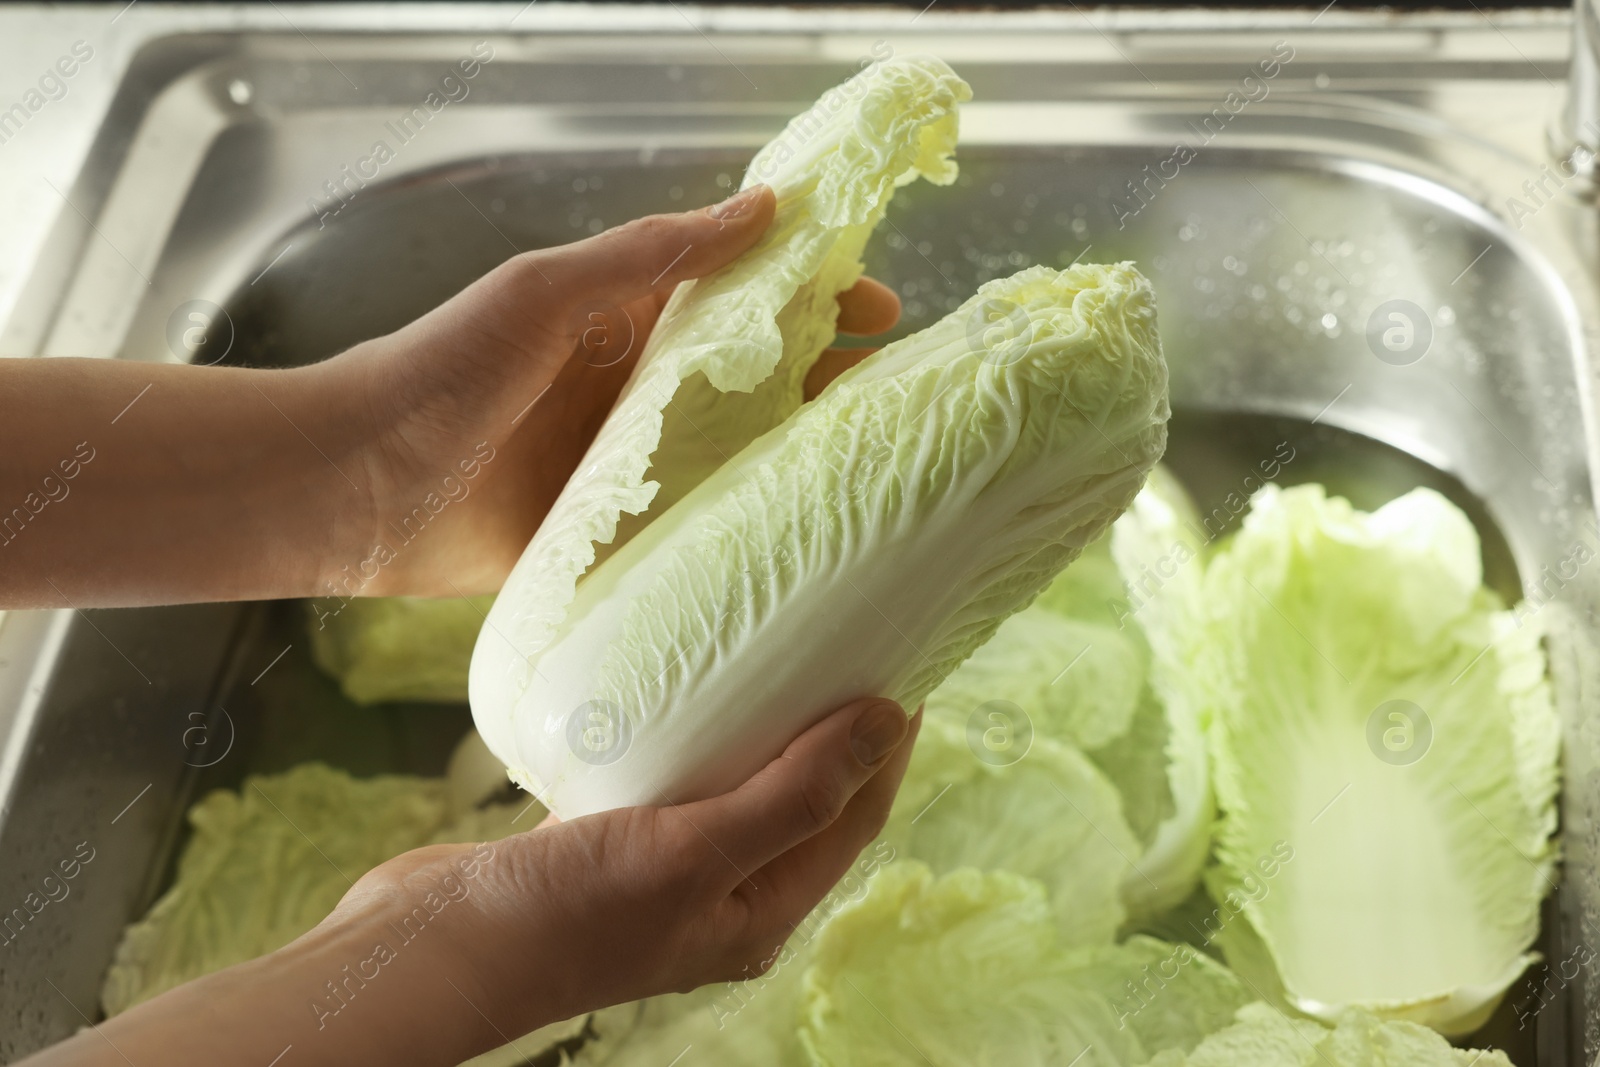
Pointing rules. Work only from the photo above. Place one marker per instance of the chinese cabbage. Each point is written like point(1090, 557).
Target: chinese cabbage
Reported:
point(866, 546)
point(728, 356)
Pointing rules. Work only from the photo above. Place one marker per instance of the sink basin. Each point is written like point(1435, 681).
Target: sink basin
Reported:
point(1339, 282)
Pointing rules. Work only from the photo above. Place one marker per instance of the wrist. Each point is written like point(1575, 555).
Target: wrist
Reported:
point(334, 400)
point(386, 978)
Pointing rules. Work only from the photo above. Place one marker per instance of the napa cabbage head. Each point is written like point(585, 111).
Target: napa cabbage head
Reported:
point(727, 359)
point(1376, 710)
point(865, 546)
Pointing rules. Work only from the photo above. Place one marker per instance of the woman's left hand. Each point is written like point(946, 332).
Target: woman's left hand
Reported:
point(560, 330)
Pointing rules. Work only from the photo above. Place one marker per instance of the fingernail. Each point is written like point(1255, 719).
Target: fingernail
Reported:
point(736, 205)
point(876, 732)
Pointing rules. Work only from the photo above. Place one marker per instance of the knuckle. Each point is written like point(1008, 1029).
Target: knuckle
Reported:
point(653, 229)
point(821, 801)
point(521, 271)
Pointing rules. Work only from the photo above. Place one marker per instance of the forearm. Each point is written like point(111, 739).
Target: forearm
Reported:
point(349, 992)
point(130, 483)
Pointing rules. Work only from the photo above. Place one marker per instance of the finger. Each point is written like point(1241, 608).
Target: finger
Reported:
point(832, 363)
point(868, 307)
point(629, 261)
point(786, 889)
point(803, 791)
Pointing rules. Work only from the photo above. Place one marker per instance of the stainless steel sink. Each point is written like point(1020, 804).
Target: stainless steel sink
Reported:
point(1338, 268)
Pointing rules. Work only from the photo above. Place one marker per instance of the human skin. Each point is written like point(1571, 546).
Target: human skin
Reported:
point(555, 922)
point(235, 483)
point(219, 483)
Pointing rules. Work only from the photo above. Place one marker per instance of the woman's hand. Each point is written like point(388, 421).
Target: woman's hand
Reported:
point(132, 482)
point(635, 902)
point(448, 951)
point(560, 330)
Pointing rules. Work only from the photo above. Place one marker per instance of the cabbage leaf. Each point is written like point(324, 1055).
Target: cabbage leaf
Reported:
point(263, 866)
point(1051, 815)
point(1376, 710)
point(269, 862)
point(1158, 546)
point(1074, 673)
point(398, 648)
point(968, 968)
point(1263, 1036)
point(1079, 666)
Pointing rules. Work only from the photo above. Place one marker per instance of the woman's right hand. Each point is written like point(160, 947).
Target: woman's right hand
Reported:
point(630, 903)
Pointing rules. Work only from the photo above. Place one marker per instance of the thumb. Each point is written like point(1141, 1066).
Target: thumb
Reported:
point(802, 792)
point(638, 257)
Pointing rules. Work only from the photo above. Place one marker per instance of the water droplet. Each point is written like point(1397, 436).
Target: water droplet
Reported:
point(1445, 316)
point(579, 185)
point(1322, 81)
point(1329, 320)
point(240, 91)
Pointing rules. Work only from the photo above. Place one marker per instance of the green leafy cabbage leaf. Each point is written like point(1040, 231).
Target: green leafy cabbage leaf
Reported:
point(1080, 668)
point(265, 865)
point(1158, 547)
point(968, 968)
point(1374, 708)
point(1263, 1036)
point(1049, 814)
point(398, 648)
